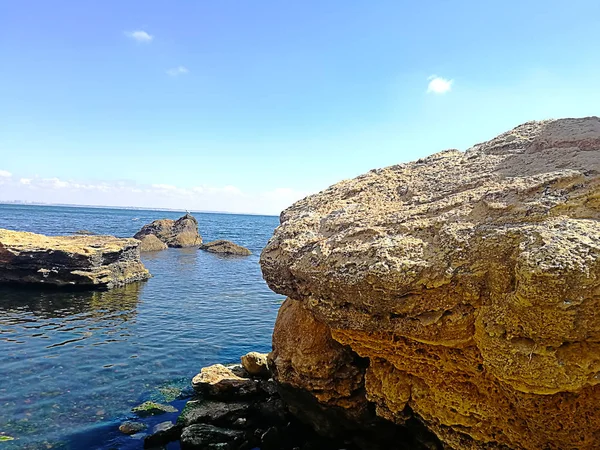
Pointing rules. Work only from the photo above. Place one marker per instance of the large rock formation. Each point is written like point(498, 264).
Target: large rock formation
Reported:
point(469, 281)
point(179, 233)
point(81, 261)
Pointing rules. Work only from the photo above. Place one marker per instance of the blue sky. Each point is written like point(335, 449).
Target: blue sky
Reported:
point(247, 106)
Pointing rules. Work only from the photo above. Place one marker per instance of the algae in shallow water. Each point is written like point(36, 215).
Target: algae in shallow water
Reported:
point(152, 409)
point(4, 438)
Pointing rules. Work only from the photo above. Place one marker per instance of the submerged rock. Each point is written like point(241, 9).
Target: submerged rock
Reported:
point(179, 233)
point(152, 409)
point(162, 433)
point(464, 286)
point(255, 364)
point(129, 427)
point(75, 261)
point(225, 248)
point(150, 243)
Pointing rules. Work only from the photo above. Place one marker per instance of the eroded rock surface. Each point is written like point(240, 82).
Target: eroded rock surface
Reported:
point(179, 233)
point(150, 243)
point(469, 281)
point(69, 261)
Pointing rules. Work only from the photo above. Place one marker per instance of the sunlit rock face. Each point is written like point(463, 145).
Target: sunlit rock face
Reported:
point(470, 282)
point(69, 261)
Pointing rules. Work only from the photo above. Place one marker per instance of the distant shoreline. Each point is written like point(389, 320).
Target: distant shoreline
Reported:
point(129, 208)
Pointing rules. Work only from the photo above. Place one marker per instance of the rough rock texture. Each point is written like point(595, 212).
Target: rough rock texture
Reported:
point(220, 381)
point(179, 233)
point(470, 281)
point(255, 364)
point(75, 261)
point(225, 248)
point(150, 243)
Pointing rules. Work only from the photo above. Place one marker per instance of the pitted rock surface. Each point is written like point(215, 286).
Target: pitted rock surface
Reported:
point(470, 281)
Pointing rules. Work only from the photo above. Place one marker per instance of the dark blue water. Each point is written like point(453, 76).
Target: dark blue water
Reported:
point(73, 364)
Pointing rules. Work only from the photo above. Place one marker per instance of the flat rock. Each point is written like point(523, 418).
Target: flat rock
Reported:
point(210, 411)
point(256, 364)
point(219, 381)
point(179, 233)
point(468, 281)
point(225, 248)
point(69, 261)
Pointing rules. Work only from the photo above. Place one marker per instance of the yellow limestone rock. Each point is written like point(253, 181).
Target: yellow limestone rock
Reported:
point(469, 280)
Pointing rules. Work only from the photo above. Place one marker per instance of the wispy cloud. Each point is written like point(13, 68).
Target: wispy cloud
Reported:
point(176, 71)
point(439, 85)
point(139, 36)
point(127, 193)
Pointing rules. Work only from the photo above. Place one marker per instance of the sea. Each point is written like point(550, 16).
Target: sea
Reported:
point(73, 364)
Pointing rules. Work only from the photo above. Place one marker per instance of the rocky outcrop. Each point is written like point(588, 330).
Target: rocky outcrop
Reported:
point(179, 233)
point(69, 261)
point(225, 248)
point(461, 290)
point(233, 409)
point(150, 243)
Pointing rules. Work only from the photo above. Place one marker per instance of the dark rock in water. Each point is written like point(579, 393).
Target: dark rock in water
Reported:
point(225, 248)
point(69, 261)
point(162, 433)
point(209, 437)
point(150, 243)
point(256, 364)
point(220, 382)
point(152, 409)
point(179, 233)
point(271, 439)
point(209, 411)
point(129, 427)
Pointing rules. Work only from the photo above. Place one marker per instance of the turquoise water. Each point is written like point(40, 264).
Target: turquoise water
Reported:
point(73, 364)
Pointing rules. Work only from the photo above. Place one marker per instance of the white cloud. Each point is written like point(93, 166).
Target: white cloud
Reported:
point(5, 174)
point(439, 85)
point(228, 198)
point(176, 71)
point(139, 36)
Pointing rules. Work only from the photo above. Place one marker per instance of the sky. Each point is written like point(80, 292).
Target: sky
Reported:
point(248, 106)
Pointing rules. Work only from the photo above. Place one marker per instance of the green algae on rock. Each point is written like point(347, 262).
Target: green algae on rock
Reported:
point(152, 409)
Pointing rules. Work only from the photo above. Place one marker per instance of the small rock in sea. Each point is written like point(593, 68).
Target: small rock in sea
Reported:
point(152, 409)
point(218, 381)
point(225, 248)
point(196, 411)
point(203, 436)
point(179, 233)
point(5, 438)
point(129, 427)
point(256, 364)
point(162, 433)
point(151, 243)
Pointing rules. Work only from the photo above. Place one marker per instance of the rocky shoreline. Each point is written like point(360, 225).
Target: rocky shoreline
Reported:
point(241, 407)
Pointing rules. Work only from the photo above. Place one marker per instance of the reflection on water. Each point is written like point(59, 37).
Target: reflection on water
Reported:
point(73, 364)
